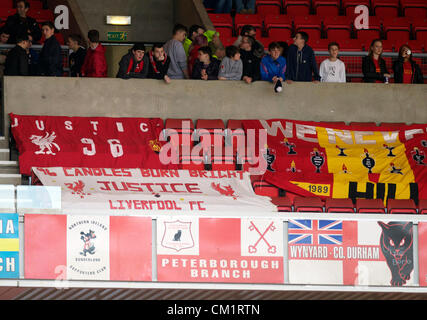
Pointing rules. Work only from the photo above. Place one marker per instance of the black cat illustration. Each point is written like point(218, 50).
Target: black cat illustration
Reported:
point(177, 236)
point(397, 246)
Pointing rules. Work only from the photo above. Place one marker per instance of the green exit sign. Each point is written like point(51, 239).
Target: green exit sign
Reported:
point(117, 36)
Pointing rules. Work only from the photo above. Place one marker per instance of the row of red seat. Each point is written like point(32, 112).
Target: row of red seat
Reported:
point(40, 15)
point(34, 4)
point(338, 28)
point(384, 8)
point(375, 206)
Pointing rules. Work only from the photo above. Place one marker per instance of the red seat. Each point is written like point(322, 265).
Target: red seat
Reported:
point(6, 12)
point(8, 4)
point(414, 8)
point(362, 124)
point(373, 32)
point(420, 29)
point(253, 19)
point(370, 206)
point(326, 7)
point(35, 5)
point(60, 38)
point(297, 7)
point(396, 28)
point(179, 131)
point(339, 205)
point(422, 206)
point(263, 188)
point(391, 125)
point(401, 206)
point(41, 15)
point(227, 41)
point(308, 204)
point(320, 44)
point(210, 131)
point(266, 7)
point(338, 27)
point(389, 46)
point(279, 27)
point(310, 24)
point(416, 46)
point(351, 45)
point(283, 204)
point(349, 6)
point(385, 8)
point(223, 23)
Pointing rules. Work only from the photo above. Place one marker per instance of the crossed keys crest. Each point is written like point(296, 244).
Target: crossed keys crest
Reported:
point(254, 247)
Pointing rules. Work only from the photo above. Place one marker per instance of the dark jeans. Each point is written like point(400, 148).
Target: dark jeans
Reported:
point(245, 4)
point(223, 6)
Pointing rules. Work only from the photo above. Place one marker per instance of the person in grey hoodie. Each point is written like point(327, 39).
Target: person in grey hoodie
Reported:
point(231, 67)
point(175, 50)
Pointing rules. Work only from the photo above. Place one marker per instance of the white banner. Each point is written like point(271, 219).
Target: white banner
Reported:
point(154, 191)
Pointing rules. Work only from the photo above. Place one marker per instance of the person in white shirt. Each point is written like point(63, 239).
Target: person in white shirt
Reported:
point(332, 69)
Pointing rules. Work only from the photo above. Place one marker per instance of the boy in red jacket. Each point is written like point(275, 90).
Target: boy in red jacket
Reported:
point(95, 64)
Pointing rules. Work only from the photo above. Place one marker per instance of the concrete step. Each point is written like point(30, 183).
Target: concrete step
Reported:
point(4, 154)
point(4, 144)
point(9, 167)
point(10, 178)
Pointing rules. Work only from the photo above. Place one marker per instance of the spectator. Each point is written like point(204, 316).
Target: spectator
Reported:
point(194, 31)
point(19, 23)
point(17, 63)
point(301, 62)
point(258, 47)
point(245, 6)
point(223, 6)
point(77, 57)
point(33, 57)
point(273, 66)
point(251, 64)
point(95, 64)
point(206, 67)
point(159, 63)
point(134, 64)
point(373, 66)
point(231, 66)
point(4, 36)
point(174, 49)
point(283, 48)
point(405, 69)
point(200, 41)
point(50, 59)
point(214, 42)
point(332, 69)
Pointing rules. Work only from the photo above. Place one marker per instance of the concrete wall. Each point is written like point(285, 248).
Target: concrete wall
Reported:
point(152, 20)
point(214, 99)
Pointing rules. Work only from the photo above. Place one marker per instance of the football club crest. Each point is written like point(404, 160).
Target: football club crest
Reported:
point(418, 156)
point(317, 159)
point(177, 235)
point(368, 162)
point(89, 246)
point(225, 191)
point(77, 187)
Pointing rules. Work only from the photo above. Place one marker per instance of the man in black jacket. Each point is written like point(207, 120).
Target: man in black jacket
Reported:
point(134, 64)
point(17, 61)
point(301, 61)
point(159, 63)
point(50, 60)
point(19, 23)
point(206, 66)
point(77, 58)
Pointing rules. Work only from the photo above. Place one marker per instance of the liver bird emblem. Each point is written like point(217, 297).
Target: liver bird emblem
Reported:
point(226, 191)
point(44, 143)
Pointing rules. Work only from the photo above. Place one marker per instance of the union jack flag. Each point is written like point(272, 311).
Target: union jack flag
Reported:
point(315, 232)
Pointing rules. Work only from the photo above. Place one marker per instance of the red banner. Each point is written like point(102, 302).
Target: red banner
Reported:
point(95, 142)
point(69, 247)
point(241, 250)
point(339, 161)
